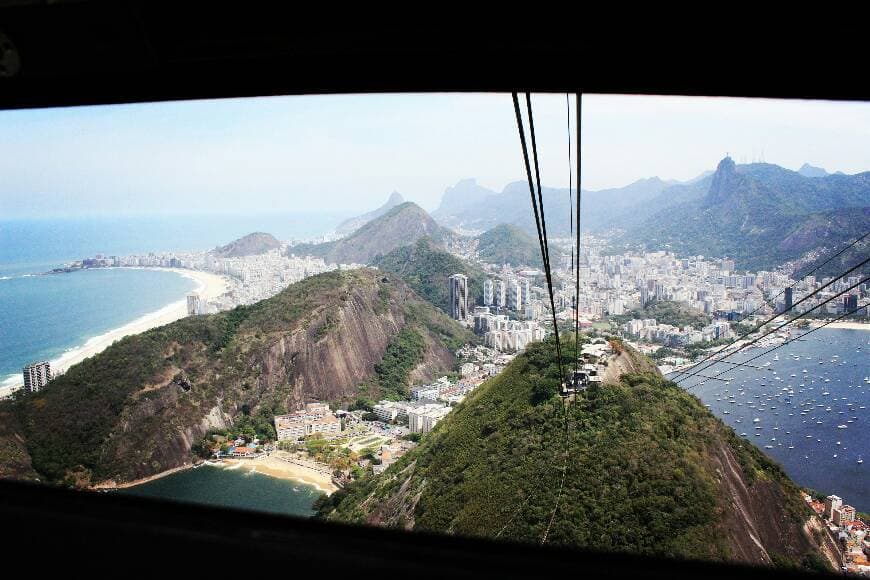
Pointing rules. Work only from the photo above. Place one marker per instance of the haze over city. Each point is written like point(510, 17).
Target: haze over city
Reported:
point(311, 153)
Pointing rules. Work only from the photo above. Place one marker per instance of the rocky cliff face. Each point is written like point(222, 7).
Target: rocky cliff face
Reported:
point(137, 408)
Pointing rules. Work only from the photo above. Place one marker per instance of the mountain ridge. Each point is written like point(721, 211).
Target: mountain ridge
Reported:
point(402, 225)
point(351, 225)
point(760, 214)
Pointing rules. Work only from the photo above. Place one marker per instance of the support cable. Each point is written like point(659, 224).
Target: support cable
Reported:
point(682, 374)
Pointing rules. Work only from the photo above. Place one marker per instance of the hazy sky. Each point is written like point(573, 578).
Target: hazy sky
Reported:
point(315, 153)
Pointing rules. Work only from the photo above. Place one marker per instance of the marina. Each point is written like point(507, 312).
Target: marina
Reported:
point(815, 392)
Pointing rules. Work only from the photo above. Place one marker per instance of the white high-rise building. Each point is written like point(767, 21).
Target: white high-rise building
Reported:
point(500, 294)
point(36, 376)
point(488, 292)
point(194, 304)
point(459, 296)
point(515, 298)
point(526, 287)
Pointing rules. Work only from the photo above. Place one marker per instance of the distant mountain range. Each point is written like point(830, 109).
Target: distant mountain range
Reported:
point(469, 206)
point(760, 214)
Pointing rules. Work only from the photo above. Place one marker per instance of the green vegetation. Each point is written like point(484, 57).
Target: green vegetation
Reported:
point(426, 268)
point(330, 451)
point(663, 353)
point(121, 414)
point(667, 312)
point(509, 244)
point(401, 225)
point(403, 354)
point(641, 471)
point(762, 216)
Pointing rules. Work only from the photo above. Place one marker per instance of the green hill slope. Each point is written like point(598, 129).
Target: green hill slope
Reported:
point(761, 215)
point(253, 244)
point(649, 470)
point(402, 225)
point(137, 408)
point(509, 244)
point(426, 268)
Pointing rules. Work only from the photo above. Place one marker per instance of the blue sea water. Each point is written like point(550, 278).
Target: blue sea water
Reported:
point(43, 316)
point(235, 488)
point(28, 246)
point(830, 394)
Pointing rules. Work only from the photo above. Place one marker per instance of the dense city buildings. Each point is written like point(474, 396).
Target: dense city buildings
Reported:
point(423, 419)
point(250, 278)
point(846, 531)
point(36, 376)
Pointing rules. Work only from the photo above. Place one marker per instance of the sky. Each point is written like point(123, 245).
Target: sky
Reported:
point(349, 152)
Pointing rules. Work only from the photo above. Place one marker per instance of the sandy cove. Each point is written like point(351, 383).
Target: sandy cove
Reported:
point(208, 286)
point(275, 467)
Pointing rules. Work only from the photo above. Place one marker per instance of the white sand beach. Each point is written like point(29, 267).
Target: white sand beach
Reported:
point(850, 325)
point(208, 286)
point(275, 467)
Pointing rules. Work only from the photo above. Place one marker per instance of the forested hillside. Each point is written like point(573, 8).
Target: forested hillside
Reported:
point(647, 469)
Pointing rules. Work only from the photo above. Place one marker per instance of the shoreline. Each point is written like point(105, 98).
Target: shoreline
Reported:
point(209, 286)
point(280, 469)
point(109, 485)
point(268, 465)
point(848, 325)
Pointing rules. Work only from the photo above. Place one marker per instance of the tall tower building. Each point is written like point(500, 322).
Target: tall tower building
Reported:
point(500, 294)
point(36, 376)
point(515, 298)
point(458, 296)
point(526, 287)
point(850, 303)
point(788, 299)
point(488, 292)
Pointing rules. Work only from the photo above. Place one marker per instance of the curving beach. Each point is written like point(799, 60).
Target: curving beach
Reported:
point(276, 467)
point(208, 286)
point(850, 325)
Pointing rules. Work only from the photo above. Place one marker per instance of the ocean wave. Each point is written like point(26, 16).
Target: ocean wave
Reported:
point(11, 381)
